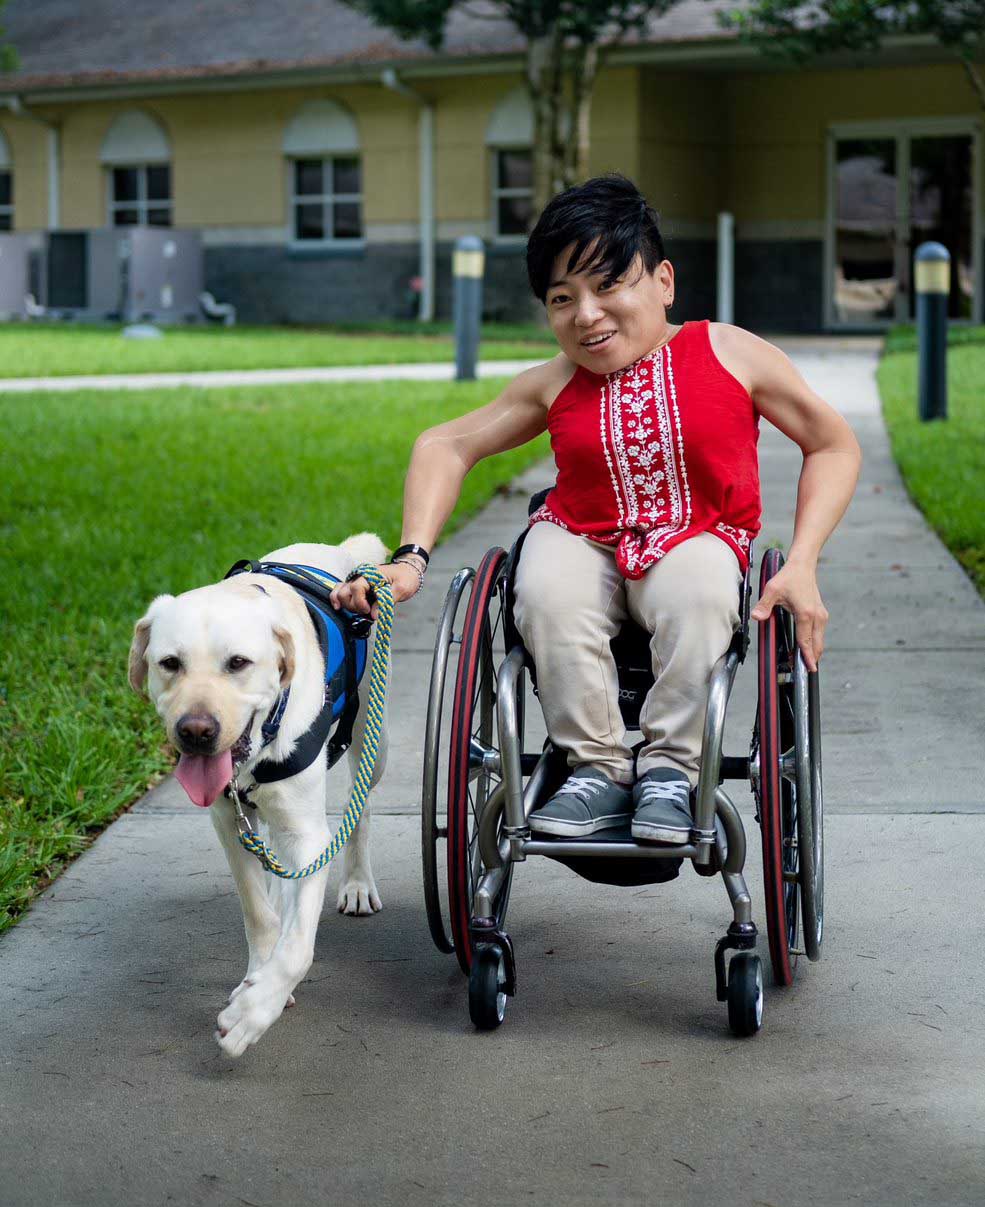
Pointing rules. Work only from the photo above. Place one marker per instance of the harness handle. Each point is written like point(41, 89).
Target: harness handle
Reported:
point(251, 840)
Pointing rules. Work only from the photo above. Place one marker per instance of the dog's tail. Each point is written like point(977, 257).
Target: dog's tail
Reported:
point(365, 547)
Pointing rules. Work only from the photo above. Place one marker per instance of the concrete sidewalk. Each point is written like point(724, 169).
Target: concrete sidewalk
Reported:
point(214, 378)
point(614, 1078)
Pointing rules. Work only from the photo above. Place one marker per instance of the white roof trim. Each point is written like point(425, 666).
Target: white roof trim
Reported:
point(321, 128)
point(512, 121)
point(135, 137)
point(5, 162)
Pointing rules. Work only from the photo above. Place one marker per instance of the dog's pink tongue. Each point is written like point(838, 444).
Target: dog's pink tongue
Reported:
point(203, 776)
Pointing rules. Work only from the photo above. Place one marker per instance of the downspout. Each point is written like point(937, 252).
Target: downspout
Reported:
point(19, 109)
point(425, 127)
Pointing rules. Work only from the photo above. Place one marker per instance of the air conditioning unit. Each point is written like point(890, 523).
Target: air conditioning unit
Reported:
point(17, 259)
point(163, 276)
point(82, 274)
point(129, 274)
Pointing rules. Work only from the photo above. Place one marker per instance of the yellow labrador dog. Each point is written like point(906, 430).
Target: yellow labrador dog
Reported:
point(216, 662)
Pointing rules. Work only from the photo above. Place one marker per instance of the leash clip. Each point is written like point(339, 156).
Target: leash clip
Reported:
point(242, 821)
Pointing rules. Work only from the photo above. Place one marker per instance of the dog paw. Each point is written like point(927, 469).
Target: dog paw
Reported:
point(251, 1011)
point(358, 897)
point(245, 983)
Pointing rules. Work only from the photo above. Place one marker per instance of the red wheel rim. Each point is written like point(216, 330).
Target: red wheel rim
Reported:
point(476, 623)
point(769, 793)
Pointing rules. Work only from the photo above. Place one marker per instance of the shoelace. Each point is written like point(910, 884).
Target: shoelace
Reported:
point(674, 790)
point(583, 789)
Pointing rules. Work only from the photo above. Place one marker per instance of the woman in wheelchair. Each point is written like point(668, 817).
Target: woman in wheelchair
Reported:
point(654, 428)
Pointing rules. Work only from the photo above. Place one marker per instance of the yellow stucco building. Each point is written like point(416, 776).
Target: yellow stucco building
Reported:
point(317, 155)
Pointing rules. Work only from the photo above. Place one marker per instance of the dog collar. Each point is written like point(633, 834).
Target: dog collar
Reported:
point(270, 728)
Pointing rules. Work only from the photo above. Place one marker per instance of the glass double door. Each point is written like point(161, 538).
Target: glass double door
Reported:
point(890, 194)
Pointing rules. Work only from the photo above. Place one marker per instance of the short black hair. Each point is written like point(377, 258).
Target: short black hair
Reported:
point(608, 218)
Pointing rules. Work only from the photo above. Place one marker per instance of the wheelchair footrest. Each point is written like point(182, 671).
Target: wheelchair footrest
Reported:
point(622, 868)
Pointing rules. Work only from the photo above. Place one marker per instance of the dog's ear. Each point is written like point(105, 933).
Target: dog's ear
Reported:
point(137, 669)
point(286, 660)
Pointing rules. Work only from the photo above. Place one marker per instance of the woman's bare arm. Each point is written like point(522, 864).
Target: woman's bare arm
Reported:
point(443, 455)
point(832, 459)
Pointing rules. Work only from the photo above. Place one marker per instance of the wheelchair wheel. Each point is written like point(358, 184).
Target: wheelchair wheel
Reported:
point(487, 988)
point(473, 757)
point(745, 994)
point(810, 810)
point(434, 802)
point(775, 791)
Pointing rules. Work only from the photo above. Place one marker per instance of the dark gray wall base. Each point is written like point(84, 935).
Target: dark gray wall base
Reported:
point(777, 284)
point(270, 285)
point(695, 268)
point(276, 285)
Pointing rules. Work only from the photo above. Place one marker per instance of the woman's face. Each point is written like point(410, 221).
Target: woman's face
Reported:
point(605, 324)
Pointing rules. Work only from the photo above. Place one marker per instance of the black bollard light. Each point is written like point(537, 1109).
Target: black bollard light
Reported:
point(932, 278)
point(467, 266)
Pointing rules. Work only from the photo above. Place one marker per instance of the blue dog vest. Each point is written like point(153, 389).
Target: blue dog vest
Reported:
point(343, 638)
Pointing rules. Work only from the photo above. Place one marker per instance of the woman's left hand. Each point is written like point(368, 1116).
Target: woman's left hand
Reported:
point(795, 587)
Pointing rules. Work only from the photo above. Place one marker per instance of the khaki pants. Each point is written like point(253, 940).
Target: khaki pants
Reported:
point(571, 600)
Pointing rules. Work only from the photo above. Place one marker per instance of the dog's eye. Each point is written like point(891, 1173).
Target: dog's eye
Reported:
point(170, 665)
point(237, 662)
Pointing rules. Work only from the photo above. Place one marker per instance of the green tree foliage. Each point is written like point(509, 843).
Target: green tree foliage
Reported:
point(803, 30)
point(8, 55)
point(564, 40)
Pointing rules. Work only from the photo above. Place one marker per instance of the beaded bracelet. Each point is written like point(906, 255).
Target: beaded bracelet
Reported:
point(417, 570)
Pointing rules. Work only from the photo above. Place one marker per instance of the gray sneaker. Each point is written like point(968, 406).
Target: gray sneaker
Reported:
point(663, 813)
point(587, 801)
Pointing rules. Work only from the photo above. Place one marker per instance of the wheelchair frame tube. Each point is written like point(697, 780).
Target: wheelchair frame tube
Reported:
point(719, 690)
point(496, 854)
point(515, 821)
point(442, 644)
point(735, 859)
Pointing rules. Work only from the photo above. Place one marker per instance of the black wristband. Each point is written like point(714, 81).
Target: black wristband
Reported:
point(418, 550)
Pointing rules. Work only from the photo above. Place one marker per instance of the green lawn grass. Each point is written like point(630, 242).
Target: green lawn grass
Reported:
point(49, 350)
point(943, 462)
point(904, 337)
point(107, 499)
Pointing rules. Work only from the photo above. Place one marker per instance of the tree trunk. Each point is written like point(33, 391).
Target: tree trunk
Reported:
point(583, 74)
point(975, 77)
point(545, 81)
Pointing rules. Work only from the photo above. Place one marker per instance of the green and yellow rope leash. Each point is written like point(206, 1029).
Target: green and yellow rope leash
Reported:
point(251, 840)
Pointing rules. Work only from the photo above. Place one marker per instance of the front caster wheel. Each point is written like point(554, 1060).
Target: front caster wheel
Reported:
point(745, 994)
point(487, 988)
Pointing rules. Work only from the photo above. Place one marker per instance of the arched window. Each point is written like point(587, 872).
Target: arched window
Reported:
point(321, 144)
point(6, 186)
point(510, 137)
point(136, 154)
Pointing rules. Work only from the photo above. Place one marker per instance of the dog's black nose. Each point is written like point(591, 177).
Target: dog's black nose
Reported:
point(197, 733)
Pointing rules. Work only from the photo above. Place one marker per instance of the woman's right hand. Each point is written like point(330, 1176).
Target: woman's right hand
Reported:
point(354, 596)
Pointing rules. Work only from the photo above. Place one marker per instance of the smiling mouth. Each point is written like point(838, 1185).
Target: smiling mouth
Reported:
point(594, 342)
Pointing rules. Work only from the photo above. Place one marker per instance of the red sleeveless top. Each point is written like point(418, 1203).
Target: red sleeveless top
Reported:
point(656, 453)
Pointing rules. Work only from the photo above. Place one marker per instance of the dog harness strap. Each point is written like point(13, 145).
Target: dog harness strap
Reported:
point(344, 652)
point(341, 740)
point(310, 744)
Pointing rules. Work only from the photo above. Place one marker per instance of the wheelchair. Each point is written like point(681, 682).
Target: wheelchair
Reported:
point(481, 785)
